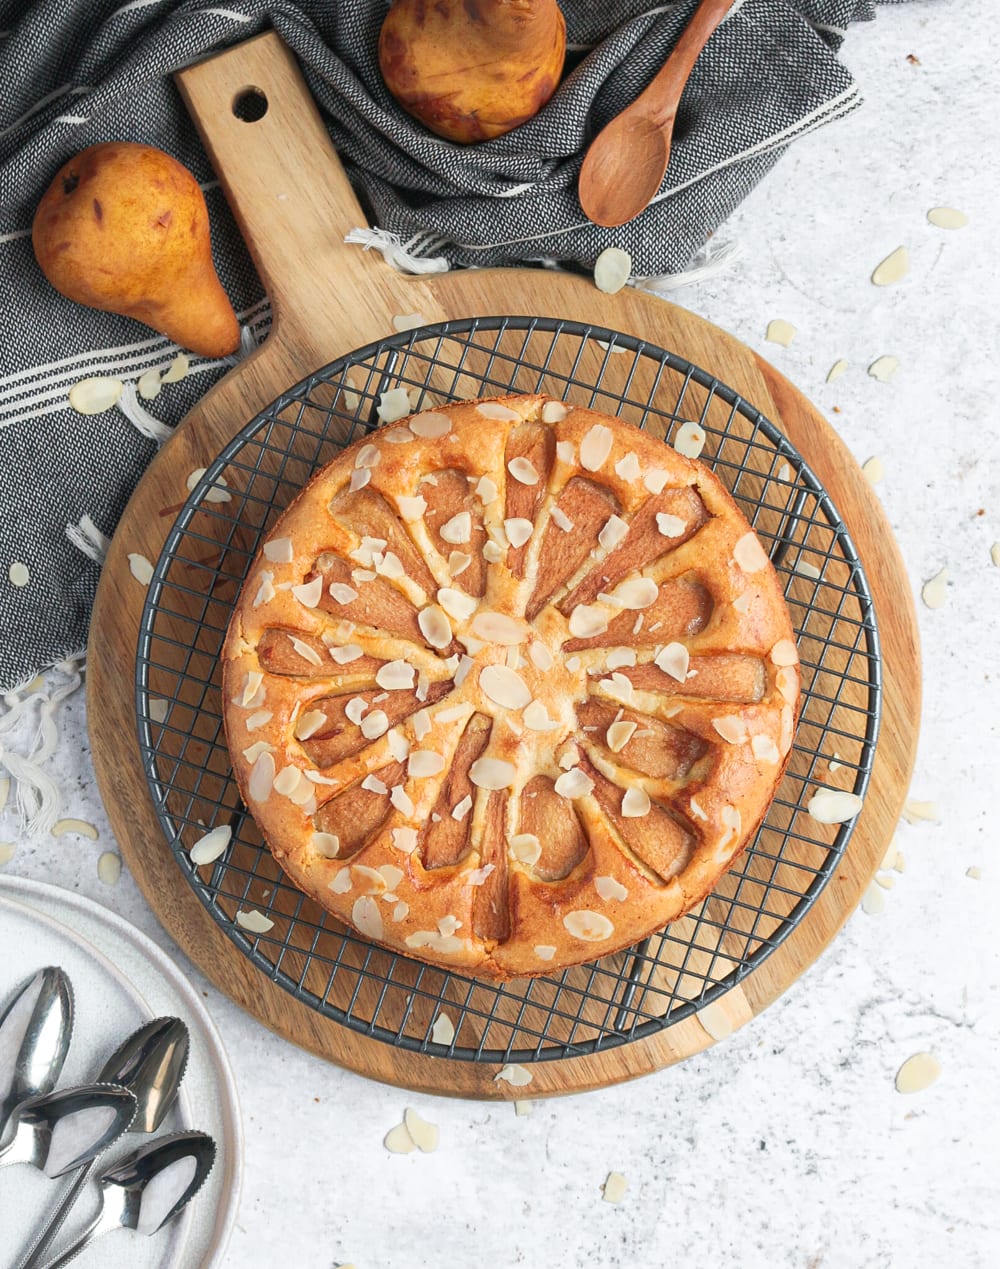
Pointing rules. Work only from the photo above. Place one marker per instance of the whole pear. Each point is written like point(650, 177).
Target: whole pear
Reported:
point(124, 228)
point(472, 69)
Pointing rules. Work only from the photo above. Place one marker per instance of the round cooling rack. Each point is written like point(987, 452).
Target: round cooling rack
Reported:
point(381, 994)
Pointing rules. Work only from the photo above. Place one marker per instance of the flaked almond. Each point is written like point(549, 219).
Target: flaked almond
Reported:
point(619, 687)
point(595, 447)
point(398, 1140)
point(540, 656)
point(628, 467)
point(421, 722)
point(635, 803)
point(614, 531)
point(731, 728)
point(177, 370)
point(619, 734)
point(873, 470)
point(833, 806)
point(434, 626)
point(491, 773)
point(674, 660)
point(254, 921)
point(374, 724)
point(612, 269)
point(554, 411)
point(261, 778)
point(690, 440)
point(461, 809)
point(404, 839)
point(423, 763)
point(837, 369)
point(715, 1020)
point(355, 708)
point(279, 551)
point(589, 927)
point(614, 1188)
point(309, 593)
point(587, 620)
point(458, 529)
point(934, 593)
point(286, 782)
point(374, 785)
point(458, 562)
point(326, 845)
point(536, 718)
point(496, 627)
point(216, 492)
point(504, 686)
point(518, 530)
point(655, 480)
point(561, 520)
point(411, 508)
point(670, 526)
point(749, 554)
point(82, 828)
point(308, 724)
point(492, 552)
point(764, 749)
point(517, 1076)
point(525, 848)
point(456, 603)
point(95, 395)
point(251, 686)
point(443, 1030)
point(635, 593)
point(780, 332)
point(494, 410)
point(618, 657)
point(610, 888)
point(884, 368)
point(785, 653)
point(395, 675)
point(342, 882)
point(266, 591)
point(394, 435)
point(138, 565)
point(393, 405)
point(366, 917)
point(893, 268)
point(486, 490)
point(544, 951)
point(915, 811)
point(208, 848)
point(430, 424)
point(479, 876)
point(252, 753)
point(368, 456)
point(399, 746)
point(408, 321)
point(917, 1073)
point(573, 783)
point(947, 218)
point(341, 593)
point(305, 650)
point(523, 470)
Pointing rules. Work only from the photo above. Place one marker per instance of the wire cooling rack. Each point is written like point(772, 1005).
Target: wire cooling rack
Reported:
point(584, 1009)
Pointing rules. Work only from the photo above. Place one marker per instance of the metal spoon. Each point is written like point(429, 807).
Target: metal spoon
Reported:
point(137, 1193)
point(37, 1125)
point(151, 1065)
point(627, 160)
point(35, 1031)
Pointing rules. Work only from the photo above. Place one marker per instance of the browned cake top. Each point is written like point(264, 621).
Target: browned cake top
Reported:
point(510, 685)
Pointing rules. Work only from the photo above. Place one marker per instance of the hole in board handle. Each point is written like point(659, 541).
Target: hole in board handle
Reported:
point(250, 104)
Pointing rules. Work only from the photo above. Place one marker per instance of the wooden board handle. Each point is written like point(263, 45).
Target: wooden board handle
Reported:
point(292, 201)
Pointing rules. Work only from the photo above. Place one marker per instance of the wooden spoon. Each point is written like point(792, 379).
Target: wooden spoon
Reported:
point(627, 160)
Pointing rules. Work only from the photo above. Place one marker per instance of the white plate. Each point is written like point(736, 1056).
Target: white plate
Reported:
point(120, 979)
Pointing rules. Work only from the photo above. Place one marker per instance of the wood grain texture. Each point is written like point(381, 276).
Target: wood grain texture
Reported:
point(294, 206)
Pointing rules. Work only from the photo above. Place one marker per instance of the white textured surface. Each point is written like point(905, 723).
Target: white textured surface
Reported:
point(786, 1145)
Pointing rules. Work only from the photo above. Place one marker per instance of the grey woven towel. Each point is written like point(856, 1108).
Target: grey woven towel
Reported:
point(74, 74)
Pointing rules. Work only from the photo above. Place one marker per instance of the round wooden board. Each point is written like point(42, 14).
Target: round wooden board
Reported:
point(294, 206)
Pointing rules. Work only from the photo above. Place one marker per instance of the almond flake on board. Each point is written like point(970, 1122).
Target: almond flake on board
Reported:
point(715, 1020)
point(443, 1030)
point(833, 806)
point(207, 849)
point(408, 321)
point(254, 921)
point(138, 566)
point(516, 1076)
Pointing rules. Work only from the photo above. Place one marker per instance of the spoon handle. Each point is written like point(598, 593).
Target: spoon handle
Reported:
point(55, 1222)
point(662, 96)
point(103, 1222)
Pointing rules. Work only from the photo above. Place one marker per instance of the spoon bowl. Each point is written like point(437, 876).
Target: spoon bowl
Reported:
point(626, 162)
point(46, 1136)
point(35, 1031)
point(146, 1190)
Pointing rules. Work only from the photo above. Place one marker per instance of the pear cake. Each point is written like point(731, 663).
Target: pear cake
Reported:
point(510, 685)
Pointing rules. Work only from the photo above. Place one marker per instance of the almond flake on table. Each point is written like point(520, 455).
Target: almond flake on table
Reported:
point(424, 1136)
point(995, 554)
point(398, 1140)
point(613, 1190)
point(873, 901)
point(874, 470)
point(917, 1073)
point(83, 827)
point(780, 332)
point(934, 592)
point(7, 850)
point(914, 811)
point(893, 268)
point(947, 218)
point(109, 868)
point(884, 368)
point(837, 369)
point(523, 1107)
point(975, 873)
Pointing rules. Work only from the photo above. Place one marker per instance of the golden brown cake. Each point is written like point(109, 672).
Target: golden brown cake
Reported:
point(510, 686)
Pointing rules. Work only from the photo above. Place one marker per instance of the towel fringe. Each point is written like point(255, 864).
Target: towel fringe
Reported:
point(140, 418)
point(88, 538)
point(395, 252)
point(713, 258)
point(38, 797)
